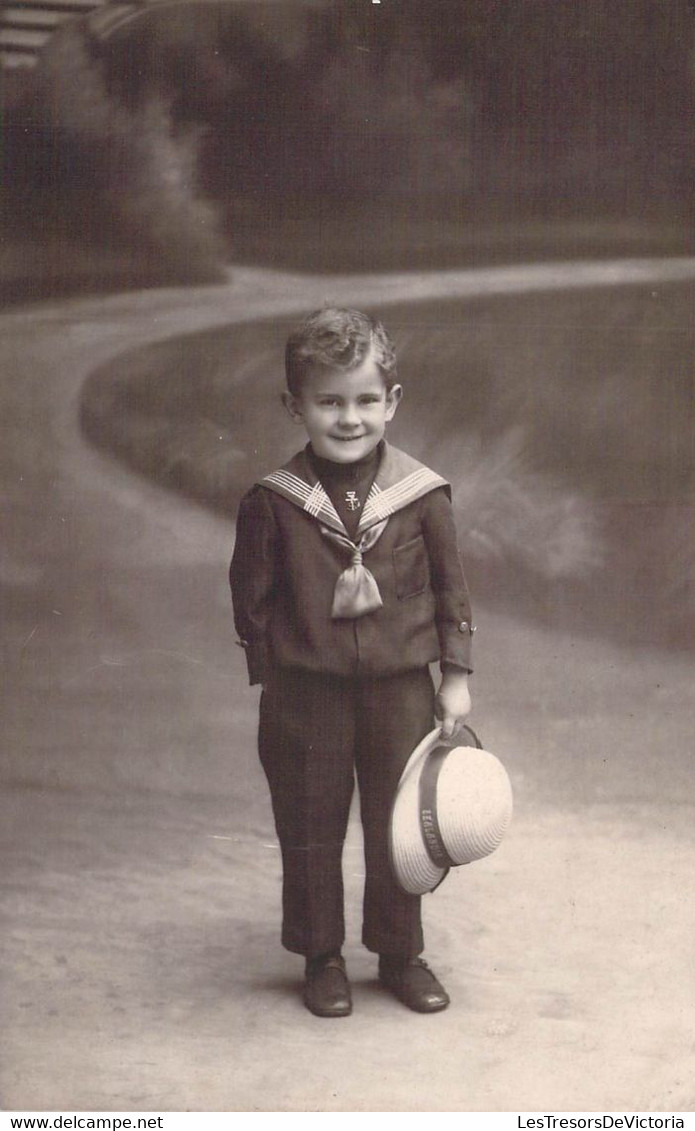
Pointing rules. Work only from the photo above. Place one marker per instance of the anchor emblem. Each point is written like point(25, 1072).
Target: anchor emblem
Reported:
point(352, 501)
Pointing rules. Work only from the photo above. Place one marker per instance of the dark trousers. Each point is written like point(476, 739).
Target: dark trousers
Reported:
point(315, 732)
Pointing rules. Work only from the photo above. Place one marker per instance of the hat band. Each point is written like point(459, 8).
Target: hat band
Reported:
point(429, 821)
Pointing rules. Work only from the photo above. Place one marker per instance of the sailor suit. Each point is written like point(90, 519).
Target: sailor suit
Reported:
point(340, 618)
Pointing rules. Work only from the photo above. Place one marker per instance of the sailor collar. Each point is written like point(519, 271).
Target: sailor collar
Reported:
point(399, 481)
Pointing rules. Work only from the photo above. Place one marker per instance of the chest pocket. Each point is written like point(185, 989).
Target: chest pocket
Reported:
point(412, 568)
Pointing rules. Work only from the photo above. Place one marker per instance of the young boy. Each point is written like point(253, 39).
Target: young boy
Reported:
point(347, 584)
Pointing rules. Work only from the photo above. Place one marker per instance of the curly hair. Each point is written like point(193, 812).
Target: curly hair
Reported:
point(338, 338)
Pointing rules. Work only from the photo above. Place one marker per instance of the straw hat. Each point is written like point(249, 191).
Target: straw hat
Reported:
point(452, 806)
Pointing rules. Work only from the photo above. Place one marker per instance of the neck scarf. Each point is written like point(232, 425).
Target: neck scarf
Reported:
point(356, 591)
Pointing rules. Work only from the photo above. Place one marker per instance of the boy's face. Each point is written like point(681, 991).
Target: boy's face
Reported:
point(345, 414)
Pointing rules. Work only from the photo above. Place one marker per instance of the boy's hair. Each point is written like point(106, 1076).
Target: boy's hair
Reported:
point(337, 338)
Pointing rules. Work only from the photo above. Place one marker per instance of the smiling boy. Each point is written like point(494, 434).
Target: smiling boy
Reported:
point(347, 584)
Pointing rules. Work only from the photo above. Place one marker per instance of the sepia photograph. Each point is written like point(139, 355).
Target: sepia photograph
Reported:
point(347, 557)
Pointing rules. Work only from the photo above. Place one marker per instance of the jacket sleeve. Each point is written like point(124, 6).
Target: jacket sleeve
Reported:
point(252, 577)
point(453, 608)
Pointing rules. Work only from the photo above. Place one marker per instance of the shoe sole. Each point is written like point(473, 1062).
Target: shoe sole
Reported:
point(343, 1011)
point(439, 1007)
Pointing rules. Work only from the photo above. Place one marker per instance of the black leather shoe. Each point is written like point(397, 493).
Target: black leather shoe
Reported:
point(413, 983)
point(326, 987)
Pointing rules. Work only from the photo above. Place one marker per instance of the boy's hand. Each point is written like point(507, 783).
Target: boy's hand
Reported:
point(453, 702)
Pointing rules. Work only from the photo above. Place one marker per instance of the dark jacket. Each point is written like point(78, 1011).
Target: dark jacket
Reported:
point(284, 571)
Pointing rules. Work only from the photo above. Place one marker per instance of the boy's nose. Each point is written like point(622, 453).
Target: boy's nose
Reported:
point(349, 416)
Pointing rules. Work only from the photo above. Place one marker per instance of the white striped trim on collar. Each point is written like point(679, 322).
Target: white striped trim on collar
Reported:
point(313, 500)
point(380, 503)
point(316, 500)
point(289, 482)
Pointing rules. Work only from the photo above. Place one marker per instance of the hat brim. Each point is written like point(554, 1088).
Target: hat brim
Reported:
point(415, 871)
point(474, 806)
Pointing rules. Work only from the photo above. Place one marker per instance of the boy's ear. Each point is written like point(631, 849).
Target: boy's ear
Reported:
point(293, 406)
point(393, 399)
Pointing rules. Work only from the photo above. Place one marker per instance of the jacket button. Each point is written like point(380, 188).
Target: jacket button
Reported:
point(466, 627)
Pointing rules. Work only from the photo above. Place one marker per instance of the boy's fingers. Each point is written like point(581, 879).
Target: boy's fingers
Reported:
point(447, 721)
point(453, 726)
point(448, 726)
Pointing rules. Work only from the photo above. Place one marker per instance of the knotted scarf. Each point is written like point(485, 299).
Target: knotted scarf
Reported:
point(356, 591)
